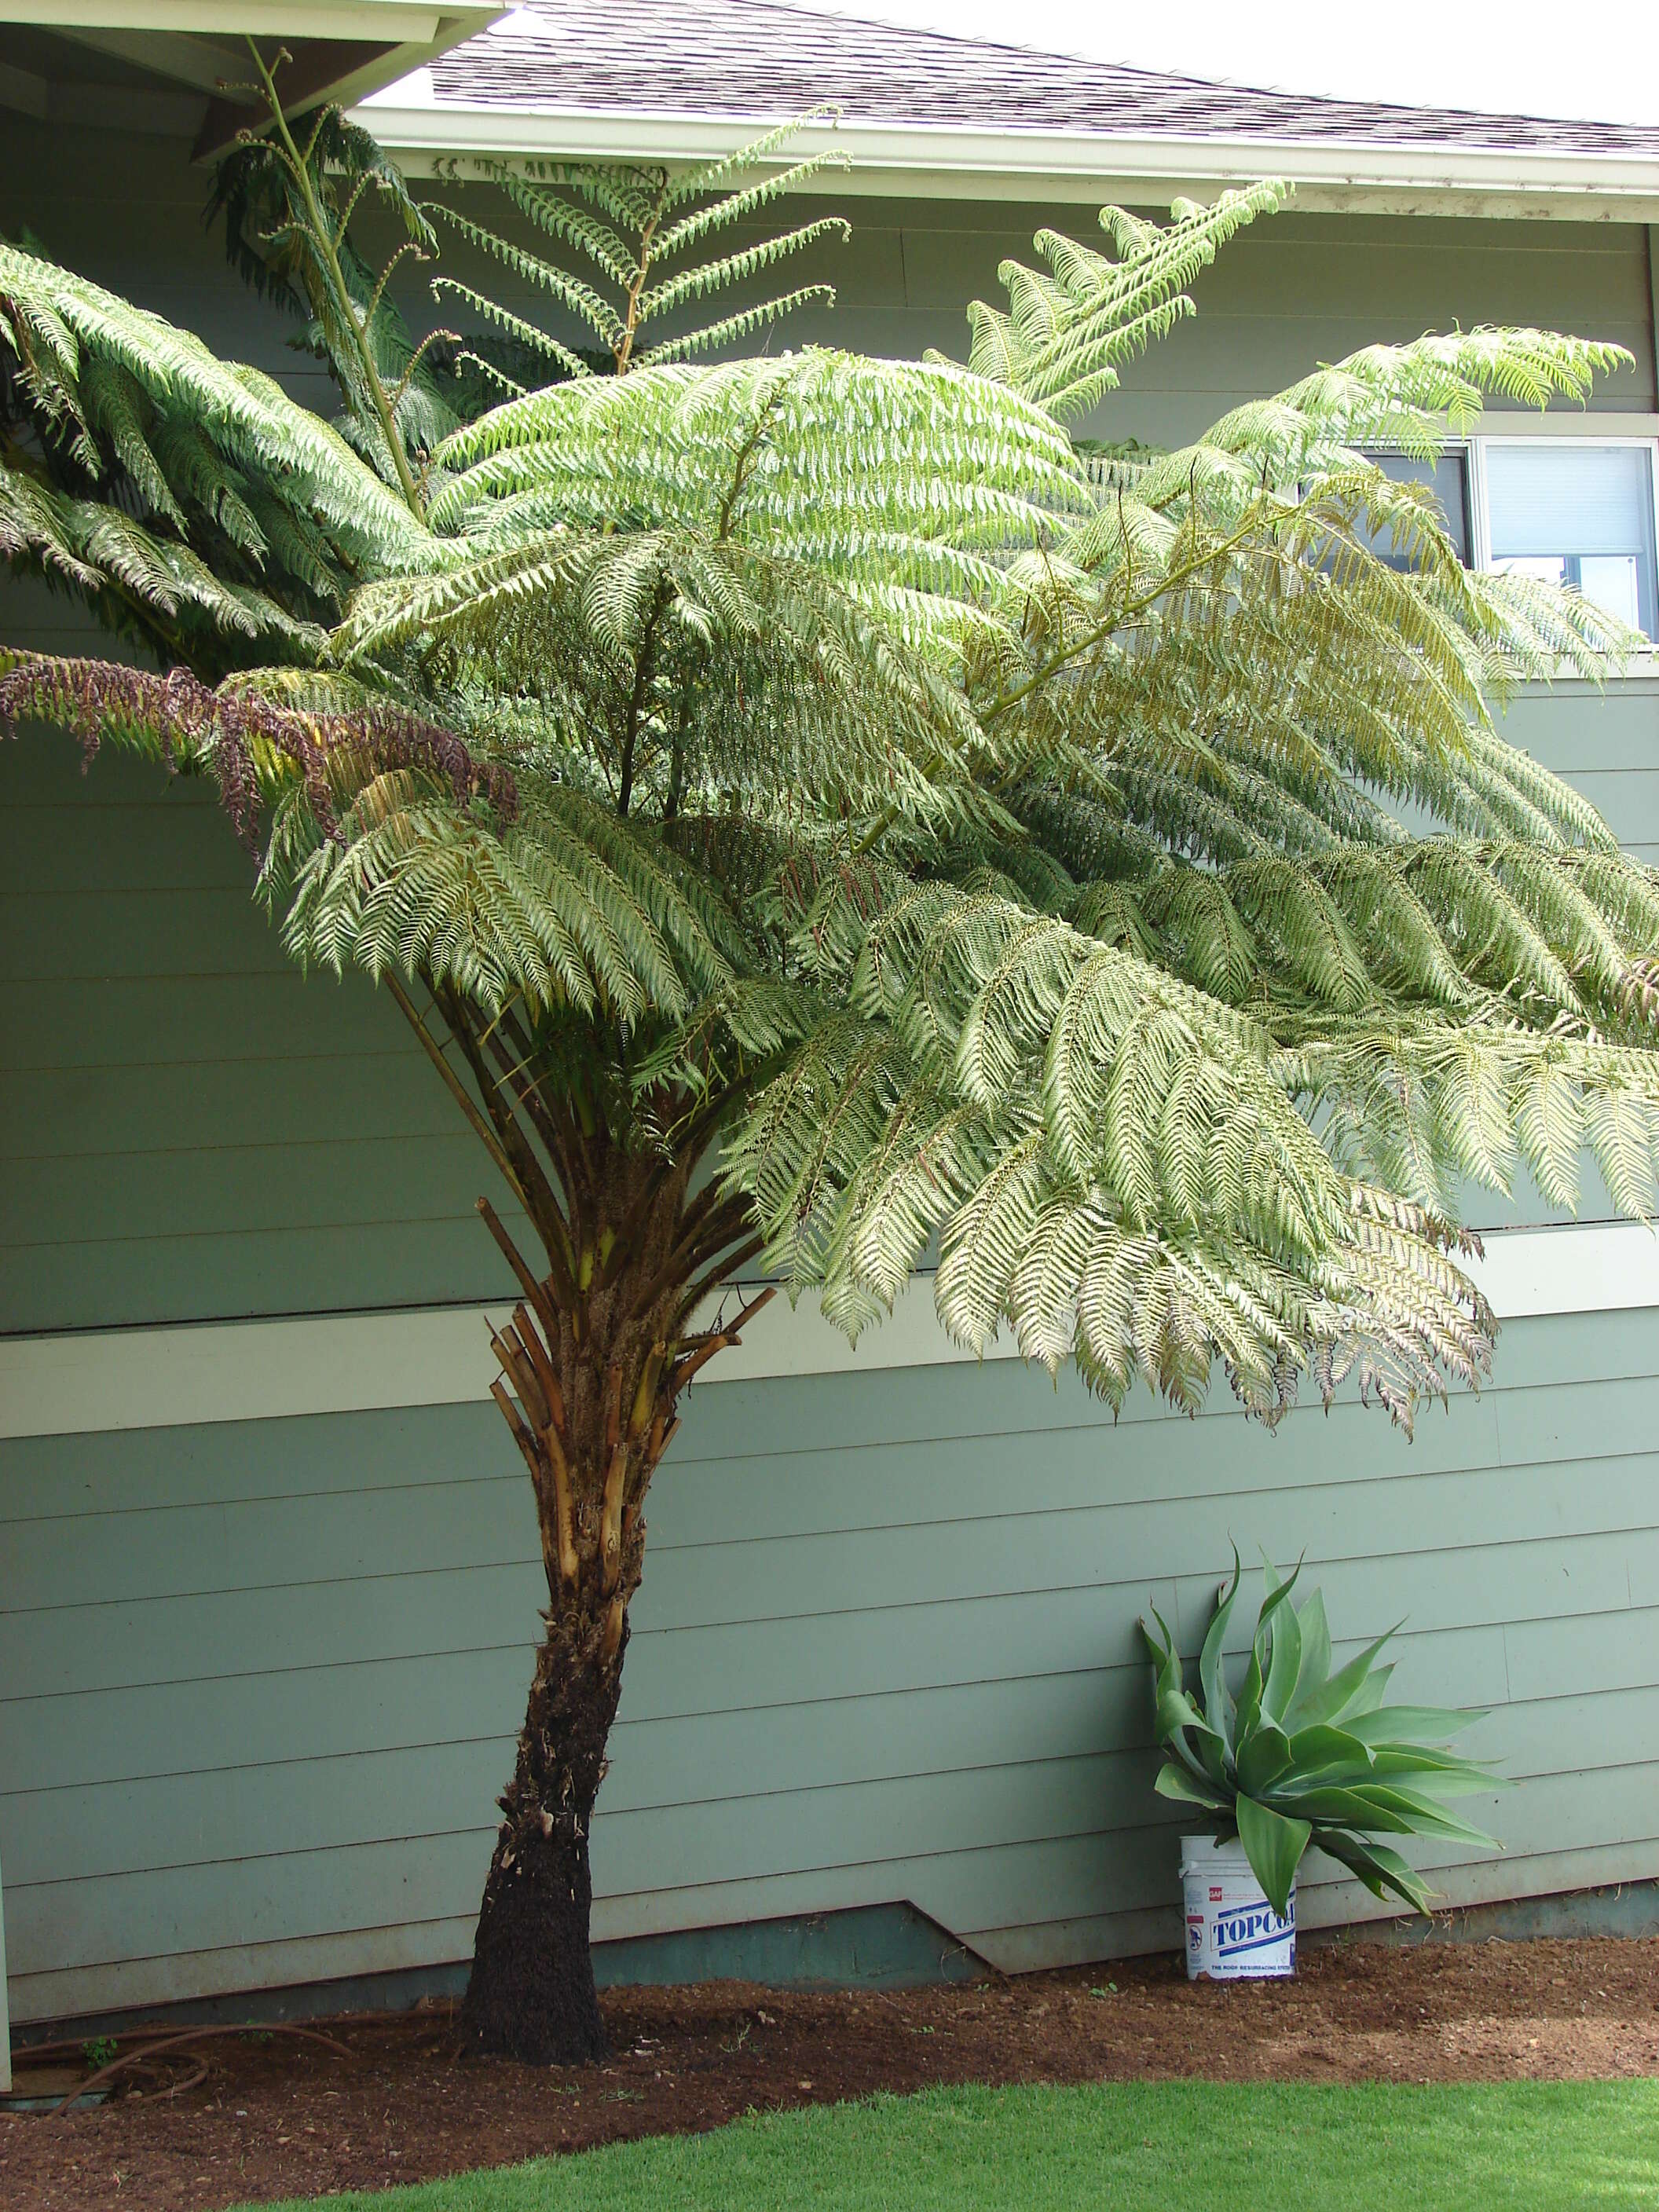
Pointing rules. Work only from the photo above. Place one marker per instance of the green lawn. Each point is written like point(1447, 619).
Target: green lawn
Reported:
point(1145, 2146)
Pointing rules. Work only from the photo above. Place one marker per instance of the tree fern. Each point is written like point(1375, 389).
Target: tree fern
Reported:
point(815, 812)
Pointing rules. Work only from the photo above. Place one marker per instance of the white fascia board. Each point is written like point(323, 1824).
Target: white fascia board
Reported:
point(429, 23)
point(939, 161)
point(99, 1380)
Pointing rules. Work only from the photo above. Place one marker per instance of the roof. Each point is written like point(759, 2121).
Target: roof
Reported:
point(763, 60)
point(661, 77)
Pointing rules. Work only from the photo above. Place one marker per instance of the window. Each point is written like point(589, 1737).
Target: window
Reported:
point(1572, 511)
point(1447, 478)
point(1578, 513)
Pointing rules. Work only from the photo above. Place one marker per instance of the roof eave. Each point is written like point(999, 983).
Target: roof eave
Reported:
point(189, 50)
point(415, 36)
point(949, 162)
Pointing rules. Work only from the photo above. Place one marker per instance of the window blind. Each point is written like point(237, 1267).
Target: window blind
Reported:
point(1582, 513)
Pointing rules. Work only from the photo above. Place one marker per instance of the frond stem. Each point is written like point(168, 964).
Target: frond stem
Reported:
point(644, 667)
point(456, 1089)
point(300, 168)
point(624, 346)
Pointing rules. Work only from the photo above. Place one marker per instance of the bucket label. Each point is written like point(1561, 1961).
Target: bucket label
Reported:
point(1251, 1929)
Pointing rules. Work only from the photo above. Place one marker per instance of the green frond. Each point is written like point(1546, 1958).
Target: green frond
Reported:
point(1097, 867)
point(1064, 334)
point(572, 293)
point(244, 414)
point(530, 335)
point(742, 325)
point(570, 223)
point(704, 278)
point(720, 213)
point(712, 177)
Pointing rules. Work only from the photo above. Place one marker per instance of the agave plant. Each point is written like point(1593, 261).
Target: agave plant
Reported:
point(1305, 1756)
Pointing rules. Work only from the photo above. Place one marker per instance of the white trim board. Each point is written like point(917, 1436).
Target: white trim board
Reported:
point(423, 21)
point(954, 161)
point(98, 1380)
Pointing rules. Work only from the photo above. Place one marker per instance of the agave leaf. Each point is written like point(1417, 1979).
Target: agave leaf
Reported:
point(1211, 1669)
point(1274, 1591)
point(1443, 1773)
point(1189, 1788)
point(1286, 1664)
point(1275, 1595)
point(1166, 1660)
point(1274, 1845)
point(1249, 1711)
point(1178, 1717)
point(1380, 1868)
point(1322, 1749)
point(1424, 1817)
point(1315, 1667)
point(1176, 1712)
point(1397, 1725)
point(1374, 1807)
point(1368, 1696)
point(1263, 1756)
point(1338, 1700)
point(1160, 1646)
point(1344, 1806)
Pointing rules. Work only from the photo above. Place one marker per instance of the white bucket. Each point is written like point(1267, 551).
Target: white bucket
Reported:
point(1233, 1934)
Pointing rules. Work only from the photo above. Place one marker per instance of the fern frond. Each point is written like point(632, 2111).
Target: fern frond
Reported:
point(743, 324)
point(1101, 867)
point(704, 278)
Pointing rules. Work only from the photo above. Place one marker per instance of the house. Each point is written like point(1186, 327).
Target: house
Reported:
point(268, 1570)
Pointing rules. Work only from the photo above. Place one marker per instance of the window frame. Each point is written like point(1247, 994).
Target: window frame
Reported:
point(1480, 517)
point(1471, 449)
point(1458, 449)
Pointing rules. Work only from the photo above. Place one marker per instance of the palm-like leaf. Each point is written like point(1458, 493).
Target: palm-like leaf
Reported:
point(1004, 843)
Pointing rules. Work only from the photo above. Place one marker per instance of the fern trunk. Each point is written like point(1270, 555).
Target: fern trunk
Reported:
point(531, 1995)
point(591, 1363)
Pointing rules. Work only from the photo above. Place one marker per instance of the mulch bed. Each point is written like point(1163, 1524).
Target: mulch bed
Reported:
point(285, 2117)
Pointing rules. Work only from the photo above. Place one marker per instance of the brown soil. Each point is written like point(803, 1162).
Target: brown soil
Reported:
point(289, 2118)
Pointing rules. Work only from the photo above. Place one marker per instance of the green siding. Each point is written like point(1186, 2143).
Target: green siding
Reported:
point(260, 1681)
point(183, 1117)
point(192, 1127)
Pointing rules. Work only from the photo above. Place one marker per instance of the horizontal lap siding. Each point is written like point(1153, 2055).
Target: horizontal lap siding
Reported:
point(190, 1129)
point(1605, 744)
point(260, 1681)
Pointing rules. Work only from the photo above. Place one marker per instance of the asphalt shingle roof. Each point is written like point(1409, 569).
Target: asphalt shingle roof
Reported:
point(764, 60)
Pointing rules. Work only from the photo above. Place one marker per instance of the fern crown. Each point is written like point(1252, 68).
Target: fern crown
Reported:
point(996, 845)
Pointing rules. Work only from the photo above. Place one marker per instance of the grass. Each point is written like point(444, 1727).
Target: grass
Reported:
point(1139, 2147)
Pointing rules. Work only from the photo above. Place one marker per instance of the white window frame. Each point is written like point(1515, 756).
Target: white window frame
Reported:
point(1610, 429)
point(1474, 449)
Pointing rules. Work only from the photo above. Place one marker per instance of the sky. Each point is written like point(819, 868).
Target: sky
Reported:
point(1598, 61)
